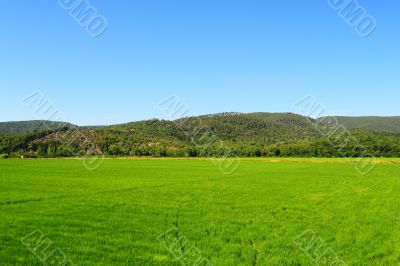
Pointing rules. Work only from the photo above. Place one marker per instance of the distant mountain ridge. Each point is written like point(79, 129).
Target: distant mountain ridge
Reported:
point(18, 127)
point(375, 123)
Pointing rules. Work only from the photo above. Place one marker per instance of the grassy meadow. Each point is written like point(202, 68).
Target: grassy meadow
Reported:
point(183, 212)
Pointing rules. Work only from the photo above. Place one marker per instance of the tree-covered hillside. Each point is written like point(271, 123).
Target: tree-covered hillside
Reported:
point(226, 134)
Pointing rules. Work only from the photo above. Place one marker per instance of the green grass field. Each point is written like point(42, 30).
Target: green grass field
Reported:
point(151, 212)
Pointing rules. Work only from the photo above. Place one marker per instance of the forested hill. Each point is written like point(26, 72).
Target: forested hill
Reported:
point(376, 123)
point(265, 128)
point(233, 134)
point(18, 127)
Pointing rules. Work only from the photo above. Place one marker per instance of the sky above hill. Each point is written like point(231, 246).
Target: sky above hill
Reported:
point(215, 55)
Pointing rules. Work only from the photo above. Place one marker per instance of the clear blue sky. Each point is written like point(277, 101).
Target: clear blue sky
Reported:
point(216, 55)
